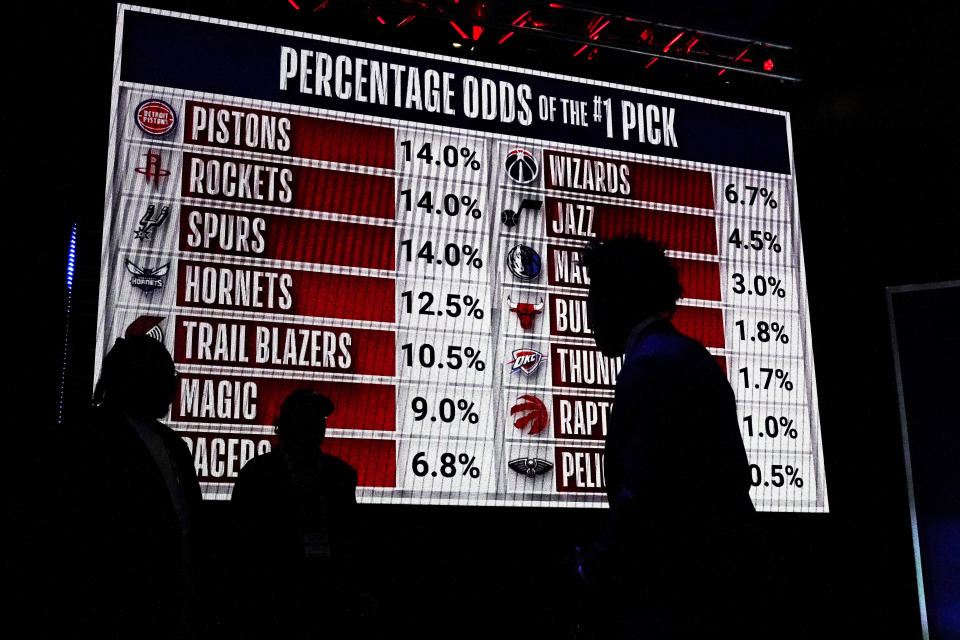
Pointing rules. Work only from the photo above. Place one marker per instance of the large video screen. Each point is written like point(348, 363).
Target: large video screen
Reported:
point(400, 231)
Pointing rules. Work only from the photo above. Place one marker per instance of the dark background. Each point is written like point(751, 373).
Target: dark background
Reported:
point(875, 144)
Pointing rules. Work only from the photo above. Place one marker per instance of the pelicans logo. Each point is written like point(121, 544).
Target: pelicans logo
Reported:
point(530, 467)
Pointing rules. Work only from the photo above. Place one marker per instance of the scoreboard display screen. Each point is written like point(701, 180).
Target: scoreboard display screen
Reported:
point(401, 232)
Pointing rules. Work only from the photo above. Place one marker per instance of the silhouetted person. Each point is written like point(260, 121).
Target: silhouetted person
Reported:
point(295, 509)
point(677, 475)
point(137, 503)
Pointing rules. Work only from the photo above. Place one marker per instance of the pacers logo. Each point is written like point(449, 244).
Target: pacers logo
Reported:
point(521, 166)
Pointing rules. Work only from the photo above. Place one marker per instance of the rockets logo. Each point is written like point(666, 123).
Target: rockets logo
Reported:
point(152, 169)
point(526, 312)
point(530, 411)
point(152, 219)
point(524, 262)
point(146, 279)
point(521, 166)
point(156, 117)
point(530, 467)
point(146, 326)
point(526, 360)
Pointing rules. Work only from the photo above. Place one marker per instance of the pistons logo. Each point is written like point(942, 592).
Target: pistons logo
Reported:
point(156, 117)
point(526, 312)
point(526, 361)
point(529, 411)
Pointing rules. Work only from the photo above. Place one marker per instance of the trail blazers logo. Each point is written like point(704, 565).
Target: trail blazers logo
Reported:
point(530, 411)
point(147, 279)
point(530, 467)
point(526, 361)
point(151, 221)
point(146, 326)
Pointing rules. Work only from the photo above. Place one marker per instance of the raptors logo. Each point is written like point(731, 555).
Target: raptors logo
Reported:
point(146, 279)
point(524, 262)
point(526, 361)
point(146, 326)
point(530, 467)
point(526, 312)
point(521, 166)
point(530, 412)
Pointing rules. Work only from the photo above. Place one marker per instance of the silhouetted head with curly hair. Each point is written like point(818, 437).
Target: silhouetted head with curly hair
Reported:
point(631, 279)
point(137, 377)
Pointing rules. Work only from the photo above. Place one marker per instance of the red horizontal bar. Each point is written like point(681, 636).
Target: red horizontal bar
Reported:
point(215, 231)
point(293, 292)
point(358, 406)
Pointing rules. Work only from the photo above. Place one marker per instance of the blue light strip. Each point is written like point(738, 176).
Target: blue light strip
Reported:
point(71, 264)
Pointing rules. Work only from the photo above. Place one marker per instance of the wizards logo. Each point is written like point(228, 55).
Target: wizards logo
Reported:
point(147, 279)
point(526, 361)
point(530, 411)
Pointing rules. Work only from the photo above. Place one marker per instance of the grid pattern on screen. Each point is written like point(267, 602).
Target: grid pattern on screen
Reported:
point(425, 277)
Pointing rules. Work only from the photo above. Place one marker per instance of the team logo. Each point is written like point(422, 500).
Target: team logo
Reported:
point(524, 262)
point(511, 218)
point(152, 169)
point(146, 326)
point(156, 117)
point(530, 412)
point(526, 361)
point(151, 220)
point(530, 467)
point(147, 279)
point(521, 166)
point(526, 312)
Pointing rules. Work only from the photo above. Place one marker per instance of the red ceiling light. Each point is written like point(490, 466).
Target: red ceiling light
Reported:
point(294, 5)
point(674, 41)
point(459, 30)
point(768, 65)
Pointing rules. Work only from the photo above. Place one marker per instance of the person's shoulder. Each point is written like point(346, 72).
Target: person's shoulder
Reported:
point(263, 464)
point(339, 469)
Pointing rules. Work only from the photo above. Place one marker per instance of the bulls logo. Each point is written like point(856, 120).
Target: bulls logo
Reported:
point(526, 312)
point(156, 117)
point(530, 412)
point(530, 467)
point(147, 279)
point(521, 166)
point(526, 361)
point(146, 326)
point(524, 262)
